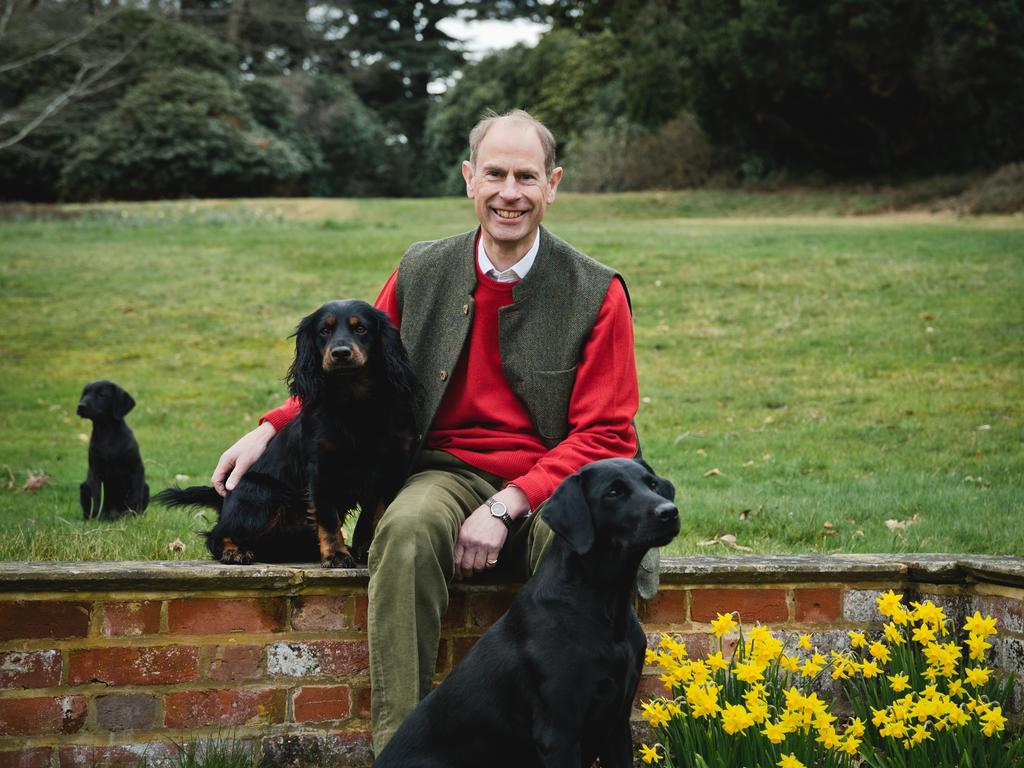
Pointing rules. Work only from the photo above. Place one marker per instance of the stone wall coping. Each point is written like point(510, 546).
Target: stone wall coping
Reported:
point(202, 576)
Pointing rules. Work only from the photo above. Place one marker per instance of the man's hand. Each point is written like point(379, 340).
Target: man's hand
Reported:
point(482, 535)
point(240, 456)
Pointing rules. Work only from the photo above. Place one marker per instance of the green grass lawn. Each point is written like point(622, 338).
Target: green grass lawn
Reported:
point(806, 374)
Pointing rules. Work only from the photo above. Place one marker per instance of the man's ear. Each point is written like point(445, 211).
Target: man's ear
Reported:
point(568, 515)
point(554, 178)
point(467, 174)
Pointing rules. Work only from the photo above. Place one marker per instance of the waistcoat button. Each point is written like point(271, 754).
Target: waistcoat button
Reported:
point(444, 375)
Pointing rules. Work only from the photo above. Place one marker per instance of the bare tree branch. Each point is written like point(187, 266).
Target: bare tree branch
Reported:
point(6, 18)
point(56, 47)
point(88, 81)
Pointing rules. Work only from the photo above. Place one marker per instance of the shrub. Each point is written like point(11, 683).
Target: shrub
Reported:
point(181, 133)
point(1002, 192)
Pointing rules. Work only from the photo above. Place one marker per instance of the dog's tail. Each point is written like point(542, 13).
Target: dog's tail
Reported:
point(195, 496)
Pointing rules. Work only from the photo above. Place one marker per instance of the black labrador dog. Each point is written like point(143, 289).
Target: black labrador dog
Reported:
point(116, 482)
point(552, 682)
point(351, 445)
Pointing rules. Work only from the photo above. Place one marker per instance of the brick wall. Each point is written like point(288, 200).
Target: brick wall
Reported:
point(102, 663)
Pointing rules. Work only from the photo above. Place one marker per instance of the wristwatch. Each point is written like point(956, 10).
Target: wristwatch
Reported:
point(500, 511)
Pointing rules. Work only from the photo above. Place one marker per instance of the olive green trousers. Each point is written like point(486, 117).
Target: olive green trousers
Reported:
point(412, 563)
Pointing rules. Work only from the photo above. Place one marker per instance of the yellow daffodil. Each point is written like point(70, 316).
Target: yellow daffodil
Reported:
point(735, 719)
point(649, 754)
point(790, 761)
point(775, 732)
point(857, 639)
point(923, 634)
point(899, 682)
point(893, 634)
point(977, 625)
point(723, 624)
point(977, 646)
point(748, 673)
point(804, 642)
point(889, 602)
point(880, 652)
point(977, 676)
point(993, 721)
point(716, 661)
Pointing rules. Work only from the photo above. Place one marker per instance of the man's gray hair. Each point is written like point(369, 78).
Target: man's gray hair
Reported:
point(547, 140)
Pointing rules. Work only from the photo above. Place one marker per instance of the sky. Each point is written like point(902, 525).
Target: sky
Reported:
point(482, 37)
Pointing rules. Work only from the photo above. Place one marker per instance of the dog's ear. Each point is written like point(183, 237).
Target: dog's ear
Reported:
point(121, 403)
point(394, 359)
point(306, 371)
point(568, 515)
point(665, 487)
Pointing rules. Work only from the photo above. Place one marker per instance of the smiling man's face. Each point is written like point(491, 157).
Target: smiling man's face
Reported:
point(510, 189)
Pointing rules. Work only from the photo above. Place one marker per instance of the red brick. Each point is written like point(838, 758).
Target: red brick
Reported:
point(360, 612)
point(118, 756)
point(818, 605)
point(362, 702)
point(125, 711)
point(26, 758)
point(485, 608)
point(212, 615)
point(235, 662)
point(320, 704)
point(752, 604)
point(31, 619)
point(36, 717)
point(134, 666)
point(441, 666)
point(668, 606)
point(650, 687)
point(322, 612)
point(188, 709)
point(698, 644)
point(461, 646)
point(131, 619)
point(29, 669)
point(454, 616)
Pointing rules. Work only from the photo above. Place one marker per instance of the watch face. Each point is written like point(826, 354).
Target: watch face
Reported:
point(498, 509)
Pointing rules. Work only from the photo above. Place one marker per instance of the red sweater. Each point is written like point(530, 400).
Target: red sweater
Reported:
point(483, 423)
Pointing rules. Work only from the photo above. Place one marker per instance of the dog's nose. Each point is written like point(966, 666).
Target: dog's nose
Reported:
point(666, 511)
point(341, 353)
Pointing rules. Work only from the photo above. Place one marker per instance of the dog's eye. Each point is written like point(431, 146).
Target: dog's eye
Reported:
point(325, 331)
point(360, 329)
point(615, 490)
point(653, 485)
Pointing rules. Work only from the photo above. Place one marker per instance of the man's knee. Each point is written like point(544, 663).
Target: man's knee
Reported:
point(414, 527)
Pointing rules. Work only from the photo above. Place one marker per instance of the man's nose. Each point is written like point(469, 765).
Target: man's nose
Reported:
point(510, 187)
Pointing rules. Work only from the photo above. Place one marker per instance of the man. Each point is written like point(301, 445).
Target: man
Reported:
point(524, 348)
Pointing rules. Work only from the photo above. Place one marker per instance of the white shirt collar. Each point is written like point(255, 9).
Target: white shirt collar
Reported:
point(517, 271)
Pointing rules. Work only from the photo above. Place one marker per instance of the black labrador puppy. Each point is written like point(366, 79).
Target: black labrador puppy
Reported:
point(116, 482)
point(552, 682)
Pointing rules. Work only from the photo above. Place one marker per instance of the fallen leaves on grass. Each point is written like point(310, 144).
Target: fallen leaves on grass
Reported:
point(828, 529)
point(713, 472)
point(35, 481)
point(728, 540)
point(899, 525)
point(181, 478)
point(177, 545)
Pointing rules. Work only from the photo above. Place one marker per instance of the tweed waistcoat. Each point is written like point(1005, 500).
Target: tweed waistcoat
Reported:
point(540, 335)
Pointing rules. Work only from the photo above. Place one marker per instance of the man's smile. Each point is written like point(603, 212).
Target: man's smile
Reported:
point(505, 213)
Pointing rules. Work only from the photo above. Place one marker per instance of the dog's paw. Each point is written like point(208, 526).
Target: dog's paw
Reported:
point(237, 557)
point(341, 559)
